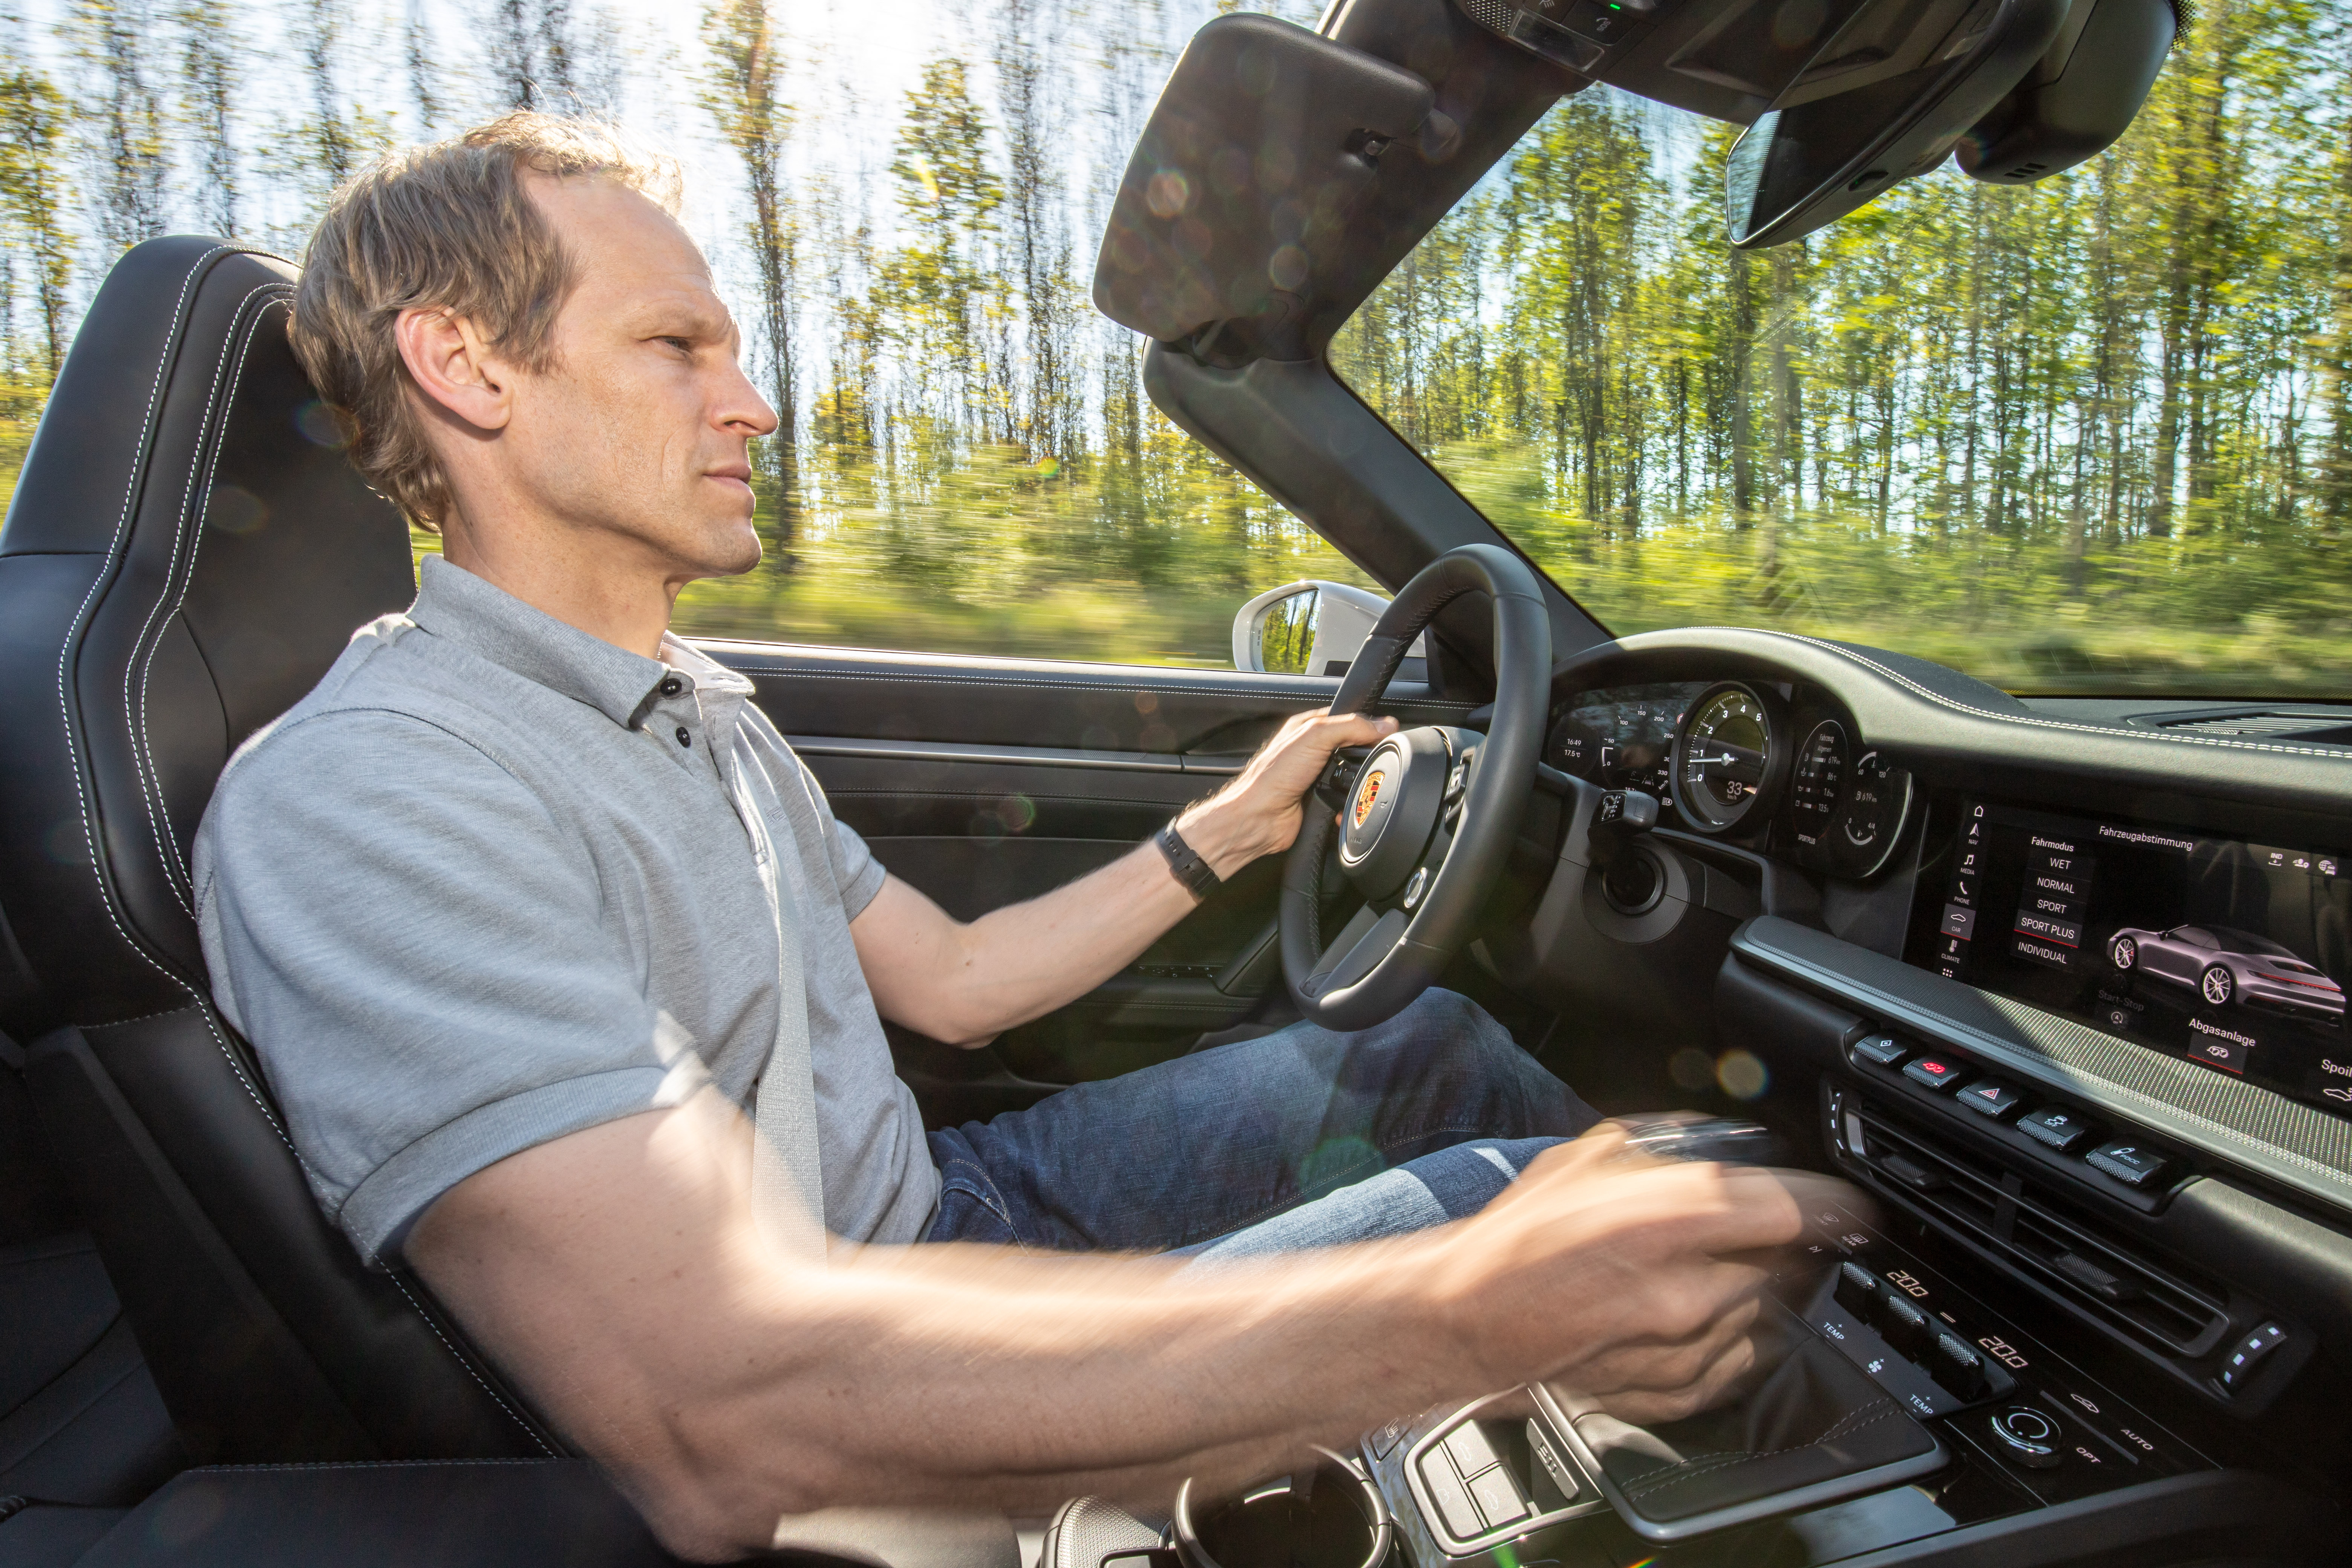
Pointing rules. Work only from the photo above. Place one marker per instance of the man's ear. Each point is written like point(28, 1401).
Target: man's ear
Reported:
point(454, 368)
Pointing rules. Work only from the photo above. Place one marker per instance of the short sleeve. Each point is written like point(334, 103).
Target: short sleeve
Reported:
point(859, 874)
point(415, 951)
point(855, 871)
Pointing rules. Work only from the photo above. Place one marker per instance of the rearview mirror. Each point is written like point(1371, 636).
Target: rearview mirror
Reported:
point(1315, 628)
point(1813, 157)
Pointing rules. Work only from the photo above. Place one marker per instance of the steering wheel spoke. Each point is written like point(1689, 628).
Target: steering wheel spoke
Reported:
point(1357, 950)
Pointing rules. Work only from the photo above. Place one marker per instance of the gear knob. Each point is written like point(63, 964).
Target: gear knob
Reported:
point(1629, 877)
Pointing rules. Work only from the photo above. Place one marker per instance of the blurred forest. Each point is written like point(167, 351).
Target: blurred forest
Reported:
point(2093, 434)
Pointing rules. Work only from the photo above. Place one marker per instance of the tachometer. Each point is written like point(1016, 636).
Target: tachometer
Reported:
point(1730, 757)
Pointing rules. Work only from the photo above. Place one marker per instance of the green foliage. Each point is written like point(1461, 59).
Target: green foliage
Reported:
point(2087, 435)
point(993, 553)
point(34, 121)
point(2090, 435)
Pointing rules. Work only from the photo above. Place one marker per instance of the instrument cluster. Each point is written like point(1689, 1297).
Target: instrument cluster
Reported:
point(1779, 769)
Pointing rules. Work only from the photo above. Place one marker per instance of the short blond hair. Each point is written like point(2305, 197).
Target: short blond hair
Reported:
point(448, 225)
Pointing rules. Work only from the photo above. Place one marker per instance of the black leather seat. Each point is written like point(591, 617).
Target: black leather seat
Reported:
point(187, 552)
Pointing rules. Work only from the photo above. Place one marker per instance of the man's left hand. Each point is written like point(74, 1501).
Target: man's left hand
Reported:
point(1259, 812)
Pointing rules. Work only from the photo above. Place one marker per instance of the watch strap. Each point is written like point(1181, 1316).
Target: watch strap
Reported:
point(1192, 870)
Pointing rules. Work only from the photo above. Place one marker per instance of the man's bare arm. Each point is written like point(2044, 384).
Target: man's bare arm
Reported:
point(618, 1274)
point(966, 983)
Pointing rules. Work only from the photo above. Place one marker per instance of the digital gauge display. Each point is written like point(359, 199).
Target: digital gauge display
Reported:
point(1820, 780)
point(1729, 756)
point(1622, 736)
point(1847, 805)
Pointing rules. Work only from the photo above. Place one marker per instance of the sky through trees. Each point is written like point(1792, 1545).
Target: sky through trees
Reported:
point(2092, 435)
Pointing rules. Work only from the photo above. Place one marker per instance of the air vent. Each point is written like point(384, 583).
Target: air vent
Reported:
point(2065, 1252)
point(2326, 729)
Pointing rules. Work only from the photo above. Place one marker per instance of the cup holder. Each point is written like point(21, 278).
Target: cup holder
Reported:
point(1328, 1516)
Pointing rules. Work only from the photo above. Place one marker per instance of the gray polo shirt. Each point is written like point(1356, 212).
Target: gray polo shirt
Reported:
point(488, 884)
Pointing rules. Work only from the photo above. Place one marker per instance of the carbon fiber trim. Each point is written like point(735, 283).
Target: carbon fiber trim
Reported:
point(2240, 1123)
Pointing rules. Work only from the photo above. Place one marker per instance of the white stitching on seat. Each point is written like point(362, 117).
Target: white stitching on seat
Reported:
point(81, 614)
point(172, 341)
point(480, 1382)
point(1954, 703)
point(151, 778)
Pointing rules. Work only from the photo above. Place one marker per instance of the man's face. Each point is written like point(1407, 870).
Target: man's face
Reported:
point(639, 434)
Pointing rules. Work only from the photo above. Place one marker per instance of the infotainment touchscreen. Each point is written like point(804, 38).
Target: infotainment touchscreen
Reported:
point(2228, 954)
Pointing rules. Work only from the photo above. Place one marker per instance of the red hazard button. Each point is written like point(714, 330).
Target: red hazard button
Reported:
point(1992, 1098)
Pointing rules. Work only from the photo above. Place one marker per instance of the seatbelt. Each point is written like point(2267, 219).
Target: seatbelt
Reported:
point(787, 1174)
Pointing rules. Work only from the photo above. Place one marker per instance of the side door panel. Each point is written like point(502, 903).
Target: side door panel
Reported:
point(985, 782)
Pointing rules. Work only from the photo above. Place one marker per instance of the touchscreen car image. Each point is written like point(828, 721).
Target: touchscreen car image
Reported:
point(2224, 966)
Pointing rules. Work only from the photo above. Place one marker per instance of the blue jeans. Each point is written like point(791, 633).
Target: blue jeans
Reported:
point(1304, 1138)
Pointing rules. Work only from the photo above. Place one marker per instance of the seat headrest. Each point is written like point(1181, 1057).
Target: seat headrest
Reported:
point(187, 552)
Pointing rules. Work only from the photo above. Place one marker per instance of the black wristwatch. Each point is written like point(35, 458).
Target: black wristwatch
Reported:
point(1191, 870)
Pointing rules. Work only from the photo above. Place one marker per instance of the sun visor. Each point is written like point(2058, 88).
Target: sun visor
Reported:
point(1265, 145)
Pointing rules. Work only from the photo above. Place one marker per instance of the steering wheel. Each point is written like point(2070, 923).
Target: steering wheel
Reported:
point(1427, 821)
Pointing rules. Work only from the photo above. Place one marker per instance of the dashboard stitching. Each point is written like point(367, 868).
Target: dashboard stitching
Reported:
point(1838, 982)
point(1958, 706)
point(1869, 1415)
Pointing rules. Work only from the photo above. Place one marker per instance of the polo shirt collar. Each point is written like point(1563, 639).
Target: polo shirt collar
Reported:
point(485, 619)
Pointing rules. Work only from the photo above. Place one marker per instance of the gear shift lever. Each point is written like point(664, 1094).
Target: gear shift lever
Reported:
point(1629, 878)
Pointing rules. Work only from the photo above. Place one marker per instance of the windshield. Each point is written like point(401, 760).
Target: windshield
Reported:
point(2089, 435)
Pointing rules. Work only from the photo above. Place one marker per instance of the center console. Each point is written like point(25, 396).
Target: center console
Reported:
point(1901, 1417)
point(2014, 1429)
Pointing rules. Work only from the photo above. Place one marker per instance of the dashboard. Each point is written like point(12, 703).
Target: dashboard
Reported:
point(2062, 984)
point(2213, 933)
point(1779, 765)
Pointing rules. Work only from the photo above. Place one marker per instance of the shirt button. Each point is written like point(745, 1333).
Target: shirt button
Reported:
point(672, 686)
point(684, 737)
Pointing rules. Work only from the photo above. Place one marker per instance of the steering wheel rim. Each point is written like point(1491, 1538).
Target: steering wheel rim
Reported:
point(1376, 967)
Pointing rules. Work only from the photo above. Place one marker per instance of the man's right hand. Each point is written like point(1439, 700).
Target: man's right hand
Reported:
point(1631, 1281)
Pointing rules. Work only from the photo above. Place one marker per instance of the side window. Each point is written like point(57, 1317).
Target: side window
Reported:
point(1032, 568)
point(967, 460)
point(1005, 556)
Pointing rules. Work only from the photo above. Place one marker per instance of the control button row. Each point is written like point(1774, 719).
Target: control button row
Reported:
point(1474, 1489)
point(2133, 1164)
point(1957, 1366)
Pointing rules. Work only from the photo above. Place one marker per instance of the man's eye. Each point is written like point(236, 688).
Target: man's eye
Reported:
point(683, 346)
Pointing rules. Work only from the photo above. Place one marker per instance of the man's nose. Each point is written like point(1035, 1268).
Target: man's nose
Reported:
point(743, 408)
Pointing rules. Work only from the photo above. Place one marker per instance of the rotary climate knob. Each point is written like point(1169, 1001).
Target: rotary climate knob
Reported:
point(2027, 1436)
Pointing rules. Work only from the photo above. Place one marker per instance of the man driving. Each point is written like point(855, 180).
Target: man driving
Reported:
point(572, 987)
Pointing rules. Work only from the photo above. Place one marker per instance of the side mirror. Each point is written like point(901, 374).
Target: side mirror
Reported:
point(1315, 628)
point(1819, 153)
